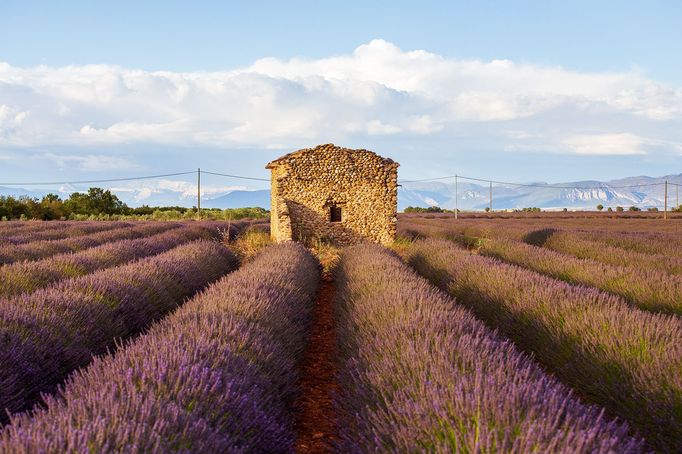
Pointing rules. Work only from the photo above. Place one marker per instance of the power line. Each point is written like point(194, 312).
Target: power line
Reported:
point(242, 177)
point(531, 185)
point(234, 176)
point(108, 180)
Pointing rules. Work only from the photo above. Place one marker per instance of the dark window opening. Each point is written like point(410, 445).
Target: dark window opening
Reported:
point(335, 213)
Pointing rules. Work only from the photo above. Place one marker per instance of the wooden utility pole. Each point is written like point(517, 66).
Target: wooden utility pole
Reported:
point(491, 196)
point(456, 197)
point(199, 193)
point(665, 201)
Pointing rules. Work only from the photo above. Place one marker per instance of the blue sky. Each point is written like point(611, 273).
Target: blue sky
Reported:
point(522, 91)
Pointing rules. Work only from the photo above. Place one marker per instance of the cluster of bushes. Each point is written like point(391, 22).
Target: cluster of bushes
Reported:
point(620, 209)
point(100, 204)
point(433, 209)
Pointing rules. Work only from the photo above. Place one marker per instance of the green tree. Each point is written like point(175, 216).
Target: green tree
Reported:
point(95, 201)
point(600, 207)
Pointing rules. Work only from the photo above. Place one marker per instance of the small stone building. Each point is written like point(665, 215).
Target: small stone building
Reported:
point(333, 194)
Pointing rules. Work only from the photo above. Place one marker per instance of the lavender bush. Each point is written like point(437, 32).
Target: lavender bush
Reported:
point(644, 242)
point(623, 358)
point(49, 333)
point(35, 250)
point(419, 373)
point(58, 230)
point(642, 279)
point(26, 277)
point(572, 243)
point(648, 289)
point(218, 375)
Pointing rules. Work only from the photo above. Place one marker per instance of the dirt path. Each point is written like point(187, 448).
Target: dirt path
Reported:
point(315, 422)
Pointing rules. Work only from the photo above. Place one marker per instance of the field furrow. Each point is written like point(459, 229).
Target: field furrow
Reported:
point(644, 242)
point(26, 277)
point(420, 373)
point(615, 355)
point(37, 250)
point(218, 375)
point(47, 334)
point(571, 243)
point(648, 288)
point(73, 230)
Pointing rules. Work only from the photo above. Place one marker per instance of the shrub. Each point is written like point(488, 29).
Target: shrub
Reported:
point(218, 375)
point(49, 333)
point(420, 373)
point(622, 358)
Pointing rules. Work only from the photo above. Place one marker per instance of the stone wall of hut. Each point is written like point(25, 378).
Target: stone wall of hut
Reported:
point(308, 184)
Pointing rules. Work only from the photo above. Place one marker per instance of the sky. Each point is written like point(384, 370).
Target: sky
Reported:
point(524, 91)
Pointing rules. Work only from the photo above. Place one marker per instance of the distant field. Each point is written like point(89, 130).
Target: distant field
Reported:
point(502, 332)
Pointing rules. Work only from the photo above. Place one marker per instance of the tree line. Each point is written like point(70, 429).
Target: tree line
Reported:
point(99, 203)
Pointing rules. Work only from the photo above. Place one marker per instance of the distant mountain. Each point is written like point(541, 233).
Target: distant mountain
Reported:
point(470, 196)
point(240, 199)
point(587, 195)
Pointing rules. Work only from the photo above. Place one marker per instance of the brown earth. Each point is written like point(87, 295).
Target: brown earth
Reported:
point(315, 420)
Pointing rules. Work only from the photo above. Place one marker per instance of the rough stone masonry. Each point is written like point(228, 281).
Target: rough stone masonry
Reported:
point(333, 194)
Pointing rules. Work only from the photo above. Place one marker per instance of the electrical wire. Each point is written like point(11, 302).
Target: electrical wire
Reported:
point(234, 176)
point(531, 185)
point(242, 177)
point(108, 180)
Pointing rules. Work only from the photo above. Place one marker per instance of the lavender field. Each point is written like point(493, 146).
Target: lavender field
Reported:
point(545, 334)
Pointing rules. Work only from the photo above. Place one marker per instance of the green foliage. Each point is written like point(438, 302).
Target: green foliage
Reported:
point(99, 204)
point(600, 207)
point(95, 201)
point(529, 210)
point(432, 209)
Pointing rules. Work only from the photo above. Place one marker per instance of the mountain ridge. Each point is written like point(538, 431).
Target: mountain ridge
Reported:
point(642, 191)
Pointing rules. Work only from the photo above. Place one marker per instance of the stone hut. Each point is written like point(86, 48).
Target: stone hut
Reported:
point(333, 194)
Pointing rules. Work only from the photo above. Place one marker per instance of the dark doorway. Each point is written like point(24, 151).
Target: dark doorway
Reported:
point(334, 213)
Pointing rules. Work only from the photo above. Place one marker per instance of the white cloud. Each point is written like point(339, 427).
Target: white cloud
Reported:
point(90, 163)
point(378, 90)
point(607, 144)
point(618, 144)
point(142, 190)
point(376, 127)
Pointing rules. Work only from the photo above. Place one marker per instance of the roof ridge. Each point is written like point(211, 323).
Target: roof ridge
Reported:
point(322, 147)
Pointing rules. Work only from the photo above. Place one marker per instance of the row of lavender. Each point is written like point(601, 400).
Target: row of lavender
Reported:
point(40, 249)
point(218, 375)
point(46, 334)
point(646, 288)
point(618, 356)
point(55, 230)
point(659, 239)
point(420, 373)
point(576, 261)
point(27, 276)
point(95, 234)
point(585, 246)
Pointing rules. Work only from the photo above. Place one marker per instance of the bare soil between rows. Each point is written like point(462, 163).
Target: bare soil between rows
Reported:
point(315, 420)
